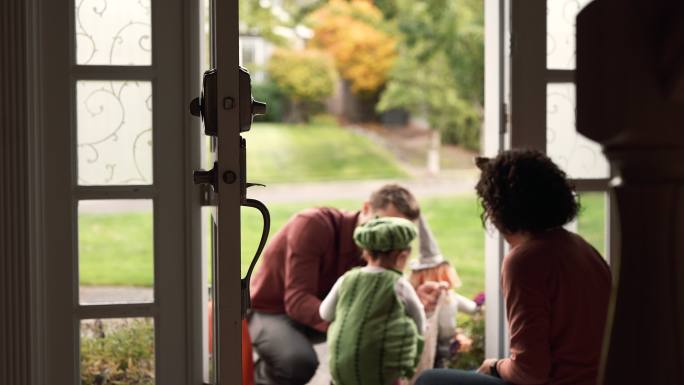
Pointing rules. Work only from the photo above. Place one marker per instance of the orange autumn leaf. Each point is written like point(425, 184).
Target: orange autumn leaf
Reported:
point(351, 32)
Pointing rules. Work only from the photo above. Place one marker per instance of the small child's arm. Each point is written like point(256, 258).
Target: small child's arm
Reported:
point(329, 304)
point(466, 304)
point(414, 308)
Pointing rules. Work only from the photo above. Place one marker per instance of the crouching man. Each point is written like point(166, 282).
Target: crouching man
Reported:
point(299, 267)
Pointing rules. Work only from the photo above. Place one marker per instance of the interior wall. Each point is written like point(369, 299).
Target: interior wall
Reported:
point(15, 314)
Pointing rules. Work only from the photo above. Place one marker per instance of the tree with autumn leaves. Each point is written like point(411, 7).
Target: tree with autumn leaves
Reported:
point(422, 56)
point(357, 36)
point(363, 46)
point(440, 69)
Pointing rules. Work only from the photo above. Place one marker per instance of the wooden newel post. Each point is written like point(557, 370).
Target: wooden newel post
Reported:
point(630, 98)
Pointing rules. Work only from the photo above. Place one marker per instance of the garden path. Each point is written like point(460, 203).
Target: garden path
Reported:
point(453, 182)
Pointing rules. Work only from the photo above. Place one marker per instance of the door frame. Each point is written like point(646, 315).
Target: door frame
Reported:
point(494, 141)
point(227, 304)
point(516, 77)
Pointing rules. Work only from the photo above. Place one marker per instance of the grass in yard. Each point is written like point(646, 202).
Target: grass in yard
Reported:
point(455, 222)
point(115, 249)
point(106, 259)
point(591, 219)
point(278, 153)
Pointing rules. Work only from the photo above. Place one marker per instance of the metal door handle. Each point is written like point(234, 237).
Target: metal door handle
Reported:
point(244, 282)
point(249, 108)
point(209, 177)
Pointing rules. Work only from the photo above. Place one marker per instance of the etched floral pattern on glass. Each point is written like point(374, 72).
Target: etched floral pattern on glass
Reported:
point(560, 32)
point(577, 155)
point(114, 132)
point(113, 32)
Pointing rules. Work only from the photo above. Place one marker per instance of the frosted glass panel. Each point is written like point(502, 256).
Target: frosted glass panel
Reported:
point(113, 32)
point(114, 128)
point(115, 251)
point(578, 156)
point(560, 32)
point(117, 351)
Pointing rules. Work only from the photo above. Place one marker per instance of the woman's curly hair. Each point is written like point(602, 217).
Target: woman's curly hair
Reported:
point(523, 190)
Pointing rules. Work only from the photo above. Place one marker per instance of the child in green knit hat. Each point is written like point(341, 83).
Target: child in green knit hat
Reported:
point(377, 319)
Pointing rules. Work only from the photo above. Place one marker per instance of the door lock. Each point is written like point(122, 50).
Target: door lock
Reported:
point(249, 108)
point(204, 106)
point(208, 177)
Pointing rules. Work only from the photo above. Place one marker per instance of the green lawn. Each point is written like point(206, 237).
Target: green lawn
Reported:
point(107, 260)
point(279, 153)
point(116, 249)
point(455, 222)
point(590, 223)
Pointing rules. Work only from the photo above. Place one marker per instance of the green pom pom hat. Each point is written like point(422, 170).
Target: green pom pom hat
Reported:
point(385, 234)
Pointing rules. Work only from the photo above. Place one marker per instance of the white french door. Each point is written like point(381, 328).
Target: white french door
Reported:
point(222, 106)
point(123, 282)
point(530, 103)
point(542, 108)
point(226, 108)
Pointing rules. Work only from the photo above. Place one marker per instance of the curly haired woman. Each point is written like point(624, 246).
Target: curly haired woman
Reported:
point(555, 285)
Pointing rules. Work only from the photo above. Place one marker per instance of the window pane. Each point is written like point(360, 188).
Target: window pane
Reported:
point(113, 32)
point(117, 351)
point(560, 32)
point(114, 129)
point(578, 156)
point(115, 251)
point(592, 220)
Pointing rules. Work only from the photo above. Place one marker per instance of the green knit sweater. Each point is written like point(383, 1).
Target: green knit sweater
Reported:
point(372, 341)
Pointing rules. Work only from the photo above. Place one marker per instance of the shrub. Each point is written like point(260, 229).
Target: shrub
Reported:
point(474, 328)
point(324, 119)
point(307, 77)
point(463, 125)
point(122, 353)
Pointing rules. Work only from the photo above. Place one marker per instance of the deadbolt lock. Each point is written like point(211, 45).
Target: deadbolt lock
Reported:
point(208, 177)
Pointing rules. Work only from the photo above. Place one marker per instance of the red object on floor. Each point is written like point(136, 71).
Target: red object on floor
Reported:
point(247, 363)
point(210, 327)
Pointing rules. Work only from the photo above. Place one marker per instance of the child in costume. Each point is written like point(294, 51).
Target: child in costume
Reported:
point(431, 266)
point(377, 318)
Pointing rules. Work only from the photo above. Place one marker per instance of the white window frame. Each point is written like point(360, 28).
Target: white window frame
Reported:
point(493, 142)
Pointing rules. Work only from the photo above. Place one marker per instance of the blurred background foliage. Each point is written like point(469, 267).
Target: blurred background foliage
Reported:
point(307, 76)
point(359, 38)
point(424, 57)
point(440, 70)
